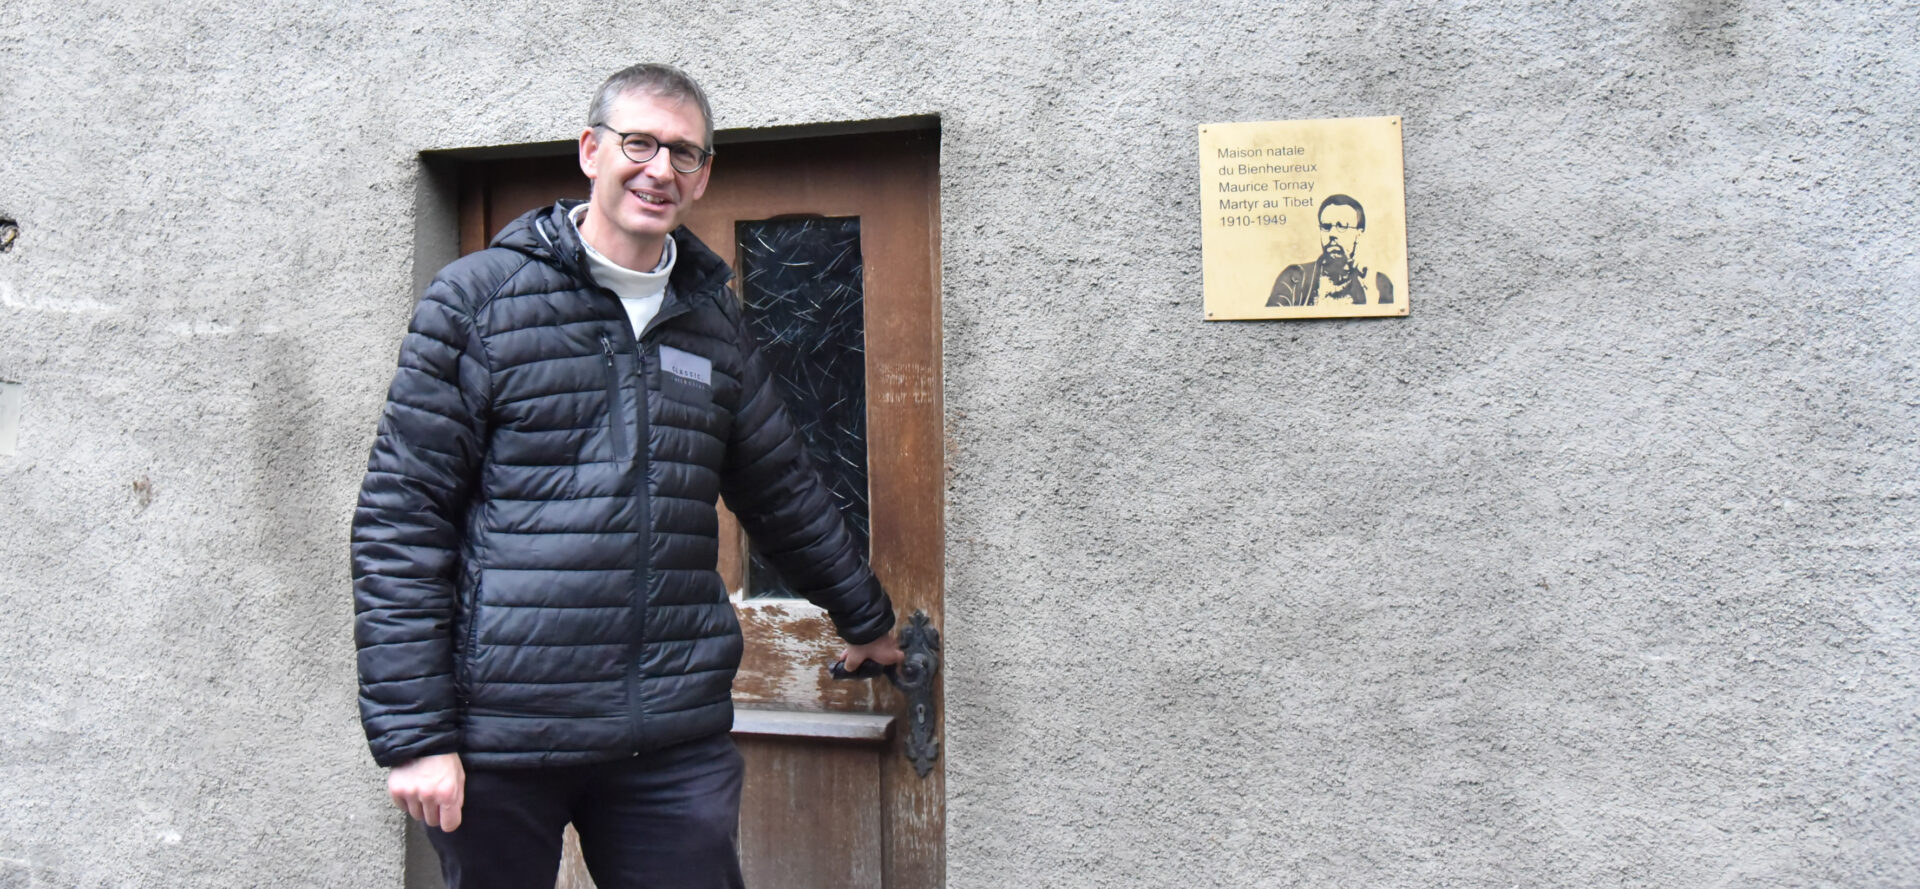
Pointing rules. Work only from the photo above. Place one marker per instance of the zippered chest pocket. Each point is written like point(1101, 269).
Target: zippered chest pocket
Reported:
point(616, 418)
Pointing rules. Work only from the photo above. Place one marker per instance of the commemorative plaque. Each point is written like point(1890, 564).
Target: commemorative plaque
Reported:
point(1303, 219)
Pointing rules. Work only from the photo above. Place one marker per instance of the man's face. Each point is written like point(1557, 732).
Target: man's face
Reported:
point(643, 202)
point(1339, 237)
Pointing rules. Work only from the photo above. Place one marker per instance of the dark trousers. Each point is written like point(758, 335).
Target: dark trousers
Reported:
point(662, 820)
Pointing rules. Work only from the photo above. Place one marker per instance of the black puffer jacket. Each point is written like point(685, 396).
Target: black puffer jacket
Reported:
point(530, 588)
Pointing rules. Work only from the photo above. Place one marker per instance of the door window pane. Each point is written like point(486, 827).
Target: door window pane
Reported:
point(800, 279)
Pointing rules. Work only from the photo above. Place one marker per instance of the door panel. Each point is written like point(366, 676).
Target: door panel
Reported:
point(830, 800)
point(792, 776)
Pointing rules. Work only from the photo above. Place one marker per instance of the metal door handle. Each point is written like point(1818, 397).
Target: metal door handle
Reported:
point(914, 677)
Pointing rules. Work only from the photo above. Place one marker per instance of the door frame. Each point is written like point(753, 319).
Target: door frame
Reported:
point(904, 392)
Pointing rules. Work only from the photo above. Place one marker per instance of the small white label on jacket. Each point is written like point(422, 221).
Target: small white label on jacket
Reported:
point(686, 365)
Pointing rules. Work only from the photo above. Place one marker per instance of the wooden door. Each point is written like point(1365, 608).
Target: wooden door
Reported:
point(831, 800)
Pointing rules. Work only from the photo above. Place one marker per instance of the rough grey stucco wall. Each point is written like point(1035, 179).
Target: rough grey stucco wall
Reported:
point(1597, 570)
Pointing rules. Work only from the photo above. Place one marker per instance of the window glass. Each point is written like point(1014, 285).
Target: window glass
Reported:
point(800, 279)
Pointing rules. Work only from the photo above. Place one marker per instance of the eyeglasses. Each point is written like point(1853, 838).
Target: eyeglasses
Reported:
point(1324, 226)
point(641, 147)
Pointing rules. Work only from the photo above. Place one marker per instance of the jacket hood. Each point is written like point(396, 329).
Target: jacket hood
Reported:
point(546, 234)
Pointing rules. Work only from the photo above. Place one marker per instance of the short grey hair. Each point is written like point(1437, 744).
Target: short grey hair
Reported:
point(650, 79)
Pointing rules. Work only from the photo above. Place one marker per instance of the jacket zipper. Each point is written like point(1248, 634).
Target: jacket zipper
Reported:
point(669, 307)
point(644, 510)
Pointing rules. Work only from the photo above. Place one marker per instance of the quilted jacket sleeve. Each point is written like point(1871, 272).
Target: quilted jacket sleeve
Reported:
point(770, 484)
point(406, 533)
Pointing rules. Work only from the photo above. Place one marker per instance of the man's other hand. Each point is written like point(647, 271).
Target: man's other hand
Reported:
point(884, 651)
point(431, 788)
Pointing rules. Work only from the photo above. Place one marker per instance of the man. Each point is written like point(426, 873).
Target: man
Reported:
point(543, 638)
point(1334, 278)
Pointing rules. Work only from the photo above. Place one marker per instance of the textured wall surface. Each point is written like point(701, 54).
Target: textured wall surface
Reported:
point(1598, 570)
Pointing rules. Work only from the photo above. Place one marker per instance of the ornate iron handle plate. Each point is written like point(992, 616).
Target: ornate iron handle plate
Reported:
point(914, 677)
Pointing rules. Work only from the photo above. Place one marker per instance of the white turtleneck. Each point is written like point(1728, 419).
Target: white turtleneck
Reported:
point(640, 292)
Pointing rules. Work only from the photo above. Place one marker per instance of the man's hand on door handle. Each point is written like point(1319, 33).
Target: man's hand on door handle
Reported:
point(884, 651)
